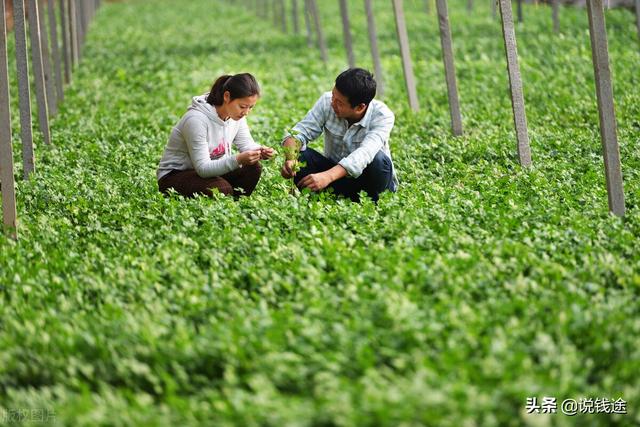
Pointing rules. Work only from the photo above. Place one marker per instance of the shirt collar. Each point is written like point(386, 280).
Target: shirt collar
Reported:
point(364, 121)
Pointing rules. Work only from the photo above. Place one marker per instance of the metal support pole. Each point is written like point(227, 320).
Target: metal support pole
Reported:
point(274, 11)
point(283, 16)
point(80, 26)
point(346, 33)
point(519, 10)
point(8, 189)
point(38, 72)
point(322, 44)
point(24, 92)
point(55, 49)
point(373, 41)
point(449, 67)
point(66, 47)
point(403, 40)
point(307, 23)
point(515, 83)
point(638, 16)
point(49, 81)
point(73, 32)
point(295, 17)
point(555, 6)
point(604, 92)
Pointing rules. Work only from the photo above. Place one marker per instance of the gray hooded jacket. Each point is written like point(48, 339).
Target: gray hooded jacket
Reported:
point(202, 141)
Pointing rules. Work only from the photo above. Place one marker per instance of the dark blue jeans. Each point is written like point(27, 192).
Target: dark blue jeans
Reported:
point(376, 177)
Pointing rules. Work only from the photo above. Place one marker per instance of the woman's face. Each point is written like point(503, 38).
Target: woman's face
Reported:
point(239, 107)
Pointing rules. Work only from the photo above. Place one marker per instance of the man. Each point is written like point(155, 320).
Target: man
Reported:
point(356, 141)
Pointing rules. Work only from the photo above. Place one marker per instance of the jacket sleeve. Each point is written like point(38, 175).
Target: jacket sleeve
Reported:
point(194, 132)
point(311, 126)
point(373, 141)
point(243, 140)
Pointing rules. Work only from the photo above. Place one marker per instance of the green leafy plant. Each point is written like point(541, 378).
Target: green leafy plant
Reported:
point(292, 153)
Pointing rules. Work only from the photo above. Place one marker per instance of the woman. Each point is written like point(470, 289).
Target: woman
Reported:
point(198, 157)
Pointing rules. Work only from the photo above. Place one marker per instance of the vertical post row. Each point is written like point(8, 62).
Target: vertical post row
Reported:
point(8, 190)
point(83, 20)
point(295, 17)
point(274, 12)
point(515, 83)
point(307, 23)
point(403, 40)
point(258, 8)
point(373, 41)
point(24, 93)
point(38, 73)
point(55, 49)
point(283, 16)
point(46, 64)
point(66, 46)
point(519, 10)
point(604, 92)
point(79, 26)
point(449, 67)
point(73, 31)
point(555, 6)
point(346, 33)
point(638, 16)
point(322, 44)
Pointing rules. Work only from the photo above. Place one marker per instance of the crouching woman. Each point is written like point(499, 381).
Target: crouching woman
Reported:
point(198, 158)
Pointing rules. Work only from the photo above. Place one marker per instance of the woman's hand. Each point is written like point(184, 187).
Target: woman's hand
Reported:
point(266, 153)
point(248, 158)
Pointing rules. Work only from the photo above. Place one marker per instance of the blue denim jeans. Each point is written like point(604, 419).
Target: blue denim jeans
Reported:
point(376, 177)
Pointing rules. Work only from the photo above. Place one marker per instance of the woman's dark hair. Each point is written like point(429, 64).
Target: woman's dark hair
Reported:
point(358, 85)
point(239, 86)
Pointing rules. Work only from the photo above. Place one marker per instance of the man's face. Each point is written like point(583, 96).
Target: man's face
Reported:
point(342, 107)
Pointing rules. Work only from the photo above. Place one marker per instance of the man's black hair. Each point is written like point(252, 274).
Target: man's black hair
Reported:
point(357, 85)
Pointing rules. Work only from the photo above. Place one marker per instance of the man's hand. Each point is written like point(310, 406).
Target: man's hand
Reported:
point(266, 153)
point(287, 170)
point(315, 181)
point(248, 158)
point(291, 152)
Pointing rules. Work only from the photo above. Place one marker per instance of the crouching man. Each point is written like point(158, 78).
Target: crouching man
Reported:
point(356, 131)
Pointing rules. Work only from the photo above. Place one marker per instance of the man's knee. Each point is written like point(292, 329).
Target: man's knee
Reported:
point(307, 164)
point(381, 163)
point(307, 156)
point(382, 160)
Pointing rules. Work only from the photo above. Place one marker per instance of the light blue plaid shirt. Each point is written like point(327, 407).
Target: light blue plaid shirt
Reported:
point(352, 147)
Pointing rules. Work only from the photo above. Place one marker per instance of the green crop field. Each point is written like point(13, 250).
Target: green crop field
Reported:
point(476, 285)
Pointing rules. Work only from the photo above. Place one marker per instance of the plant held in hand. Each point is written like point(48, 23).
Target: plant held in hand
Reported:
point(291, 153)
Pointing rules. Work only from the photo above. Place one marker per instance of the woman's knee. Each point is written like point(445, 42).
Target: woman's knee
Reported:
point(223, 186)
point(257, 169)
point(252, 172)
